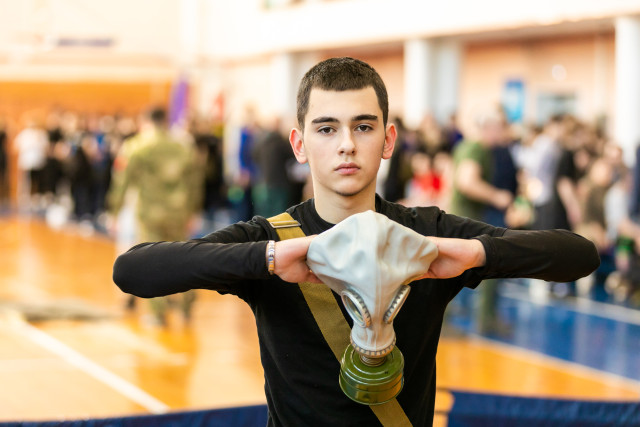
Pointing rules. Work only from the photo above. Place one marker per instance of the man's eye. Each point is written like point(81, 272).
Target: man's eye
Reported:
point(325, 130)
point(364, 128)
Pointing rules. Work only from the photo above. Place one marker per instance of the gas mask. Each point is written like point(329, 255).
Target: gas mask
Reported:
point(369, 260)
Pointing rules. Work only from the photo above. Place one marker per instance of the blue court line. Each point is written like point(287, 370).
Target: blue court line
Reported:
point(596, 335)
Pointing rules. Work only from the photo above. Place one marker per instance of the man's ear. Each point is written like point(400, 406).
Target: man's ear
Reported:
point(389, 141)
point(295, 139)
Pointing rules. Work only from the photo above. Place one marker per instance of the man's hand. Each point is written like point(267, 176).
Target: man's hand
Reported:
point(455, 256)
point(501, 199)
point(291, 260)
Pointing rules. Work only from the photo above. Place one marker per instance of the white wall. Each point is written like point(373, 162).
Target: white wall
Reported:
point(587, 61)
point(243, 28)
point(146, 39)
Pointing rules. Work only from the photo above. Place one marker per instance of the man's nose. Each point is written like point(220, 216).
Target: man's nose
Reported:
point(347, 143)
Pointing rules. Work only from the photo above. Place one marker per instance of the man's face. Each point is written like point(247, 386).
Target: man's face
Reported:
point(344, 141)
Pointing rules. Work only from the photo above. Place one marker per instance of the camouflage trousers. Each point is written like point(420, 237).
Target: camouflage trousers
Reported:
point(184, 301)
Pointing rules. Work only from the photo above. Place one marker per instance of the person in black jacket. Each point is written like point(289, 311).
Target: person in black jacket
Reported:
point(343, 133)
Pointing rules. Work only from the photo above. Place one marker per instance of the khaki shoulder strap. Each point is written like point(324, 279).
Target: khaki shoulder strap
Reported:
point(331, 321)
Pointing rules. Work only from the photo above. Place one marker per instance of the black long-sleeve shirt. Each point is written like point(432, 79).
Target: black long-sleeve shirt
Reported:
point(301, 372)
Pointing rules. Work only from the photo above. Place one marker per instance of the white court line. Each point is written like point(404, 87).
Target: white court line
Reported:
point(560, 364)
point(92, 369)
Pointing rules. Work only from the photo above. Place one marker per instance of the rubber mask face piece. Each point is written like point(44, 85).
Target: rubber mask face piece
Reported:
point(369, 260)
point(364, 324)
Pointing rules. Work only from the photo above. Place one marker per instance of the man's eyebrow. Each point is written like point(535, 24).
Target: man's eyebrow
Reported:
point(324, 119)
point(358, 118)
point(365, 117)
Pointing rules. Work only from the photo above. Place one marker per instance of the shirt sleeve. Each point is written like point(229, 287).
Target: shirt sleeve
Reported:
point(223, 261)
point(552, 255)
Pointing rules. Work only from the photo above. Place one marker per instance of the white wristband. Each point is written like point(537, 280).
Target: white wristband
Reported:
point(271, 256)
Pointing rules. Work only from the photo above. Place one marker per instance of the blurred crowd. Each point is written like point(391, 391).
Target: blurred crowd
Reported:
point(564, 173)
point(66, 163)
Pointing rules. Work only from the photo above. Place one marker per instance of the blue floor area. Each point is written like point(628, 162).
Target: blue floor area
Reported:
point(591, 333)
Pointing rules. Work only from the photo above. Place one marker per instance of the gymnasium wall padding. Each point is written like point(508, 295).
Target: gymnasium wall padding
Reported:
point(479, 409)
point(245, 416)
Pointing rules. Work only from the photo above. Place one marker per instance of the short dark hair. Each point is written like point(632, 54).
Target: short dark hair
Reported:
point(157, 115)
point(340, 74)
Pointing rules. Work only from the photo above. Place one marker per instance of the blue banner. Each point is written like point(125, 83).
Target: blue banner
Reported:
point(513, 100)
point(477, 409)
point(246, 416)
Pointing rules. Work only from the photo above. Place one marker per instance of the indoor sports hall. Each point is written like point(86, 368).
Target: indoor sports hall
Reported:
point(78, 79)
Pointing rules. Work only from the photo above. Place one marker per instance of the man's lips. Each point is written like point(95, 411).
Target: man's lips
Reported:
point(347, 168)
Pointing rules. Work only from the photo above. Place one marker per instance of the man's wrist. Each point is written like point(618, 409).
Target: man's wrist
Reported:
point(481, 259)
point(481, 254)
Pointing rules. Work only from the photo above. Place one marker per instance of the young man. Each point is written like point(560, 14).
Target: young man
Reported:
point(343, 134)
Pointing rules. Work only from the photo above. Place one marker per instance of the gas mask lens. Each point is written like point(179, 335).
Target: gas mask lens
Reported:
point(396, 304)
point(356, 308)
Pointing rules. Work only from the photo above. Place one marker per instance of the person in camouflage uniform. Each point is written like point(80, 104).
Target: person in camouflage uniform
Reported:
point(168, 178)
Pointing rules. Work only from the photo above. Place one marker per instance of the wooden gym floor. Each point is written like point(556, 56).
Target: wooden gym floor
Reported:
point(69, 350)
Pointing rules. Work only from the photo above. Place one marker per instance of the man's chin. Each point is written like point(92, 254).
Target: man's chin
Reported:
point(349, 192)
point(349, 189)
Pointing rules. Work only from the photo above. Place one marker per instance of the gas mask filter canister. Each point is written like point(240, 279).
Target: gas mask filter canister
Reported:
point(369, 260)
